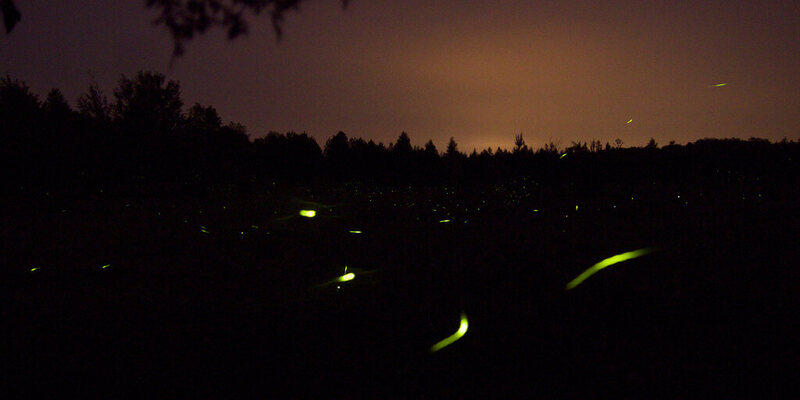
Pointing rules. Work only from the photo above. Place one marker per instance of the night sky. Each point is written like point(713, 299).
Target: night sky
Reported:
point(480, 71)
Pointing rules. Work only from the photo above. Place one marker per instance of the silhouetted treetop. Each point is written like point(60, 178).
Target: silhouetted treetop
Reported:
point(403, 144)
point(10, 14)
point(203, 118)
point(185, 18)
point(147, 102)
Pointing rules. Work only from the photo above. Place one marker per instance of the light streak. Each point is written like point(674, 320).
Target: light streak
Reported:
point(308, 213)
point(605, 263)
point(629, 121)
point(462, 329)
point(718, 85)
point(347, 277)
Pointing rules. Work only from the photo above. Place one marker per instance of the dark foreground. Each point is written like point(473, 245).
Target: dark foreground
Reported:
point(238, 310)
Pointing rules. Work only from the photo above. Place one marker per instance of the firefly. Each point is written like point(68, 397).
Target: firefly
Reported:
point(718, 85)
point(356, 232)
point(34, 269)
point(562, 156)
point(605, 263)
point(629, 121)
point(105, 266)
point(308, 213)
point(462, 329)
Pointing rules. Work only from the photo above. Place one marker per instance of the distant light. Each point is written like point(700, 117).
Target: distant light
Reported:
point(576, 207)
point(629, 121)
point(356, 232)
point(535, 210)
point(605, 263)
point(718, 85)
point(462, 329)
point(308, 213)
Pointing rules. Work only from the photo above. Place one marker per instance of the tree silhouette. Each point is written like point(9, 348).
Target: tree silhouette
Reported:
point(403, 145)
point(430, 151)
point(19, 109)
point(184, 19)
point(519, 144)
point(452, 149)
point(10, 14)
point(94, 105)
point(146, 104)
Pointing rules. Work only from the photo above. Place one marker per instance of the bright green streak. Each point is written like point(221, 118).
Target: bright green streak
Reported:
point(444, 220)
point(562, 156)
point(106, 266)
point(347, 277)
point(308, 213)
point(719, 85)
point(629, 121)
point(605, 263)
point(34, 269)
point(203, 229)
point(452, 338)
point(356, 232)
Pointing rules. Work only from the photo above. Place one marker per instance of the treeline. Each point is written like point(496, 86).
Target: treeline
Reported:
point(142, 140)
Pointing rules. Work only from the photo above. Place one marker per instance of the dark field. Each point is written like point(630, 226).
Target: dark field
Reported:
point(238, 310)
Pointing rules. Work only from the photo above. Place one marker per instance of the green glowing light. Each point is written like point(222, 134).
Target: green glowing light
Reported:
point(254, 226)
point(562, 156)
point(462, 329)
point(718, 85)
point(605, 263)
point(576, 207)
point(629, 121)
point(308, 213)
point(203, 229)
point(34, 269)
point(356, 232)
point(105, 266)
point(535, 210)
point(444, 221)
point(347, 277)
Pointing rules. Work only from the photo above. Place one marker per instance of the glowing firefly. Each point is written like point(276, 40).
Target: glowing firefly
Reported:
point(444, 221)
point(308, 213)
point(34, 269)
point(629, 121)
point(718, 85)
point(562, 156)
point(462, 329)
point(605, 263)
point(105, 266)
point(203, 229)
point(356, 232)
point(347, 277)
